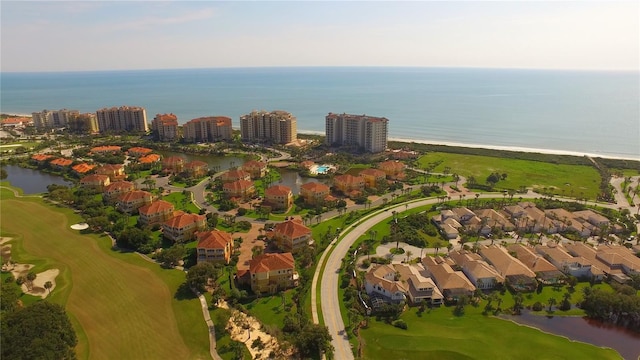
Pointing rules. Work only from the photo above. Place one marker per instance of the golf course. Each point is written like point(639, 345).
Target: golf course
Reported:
point(121, 306)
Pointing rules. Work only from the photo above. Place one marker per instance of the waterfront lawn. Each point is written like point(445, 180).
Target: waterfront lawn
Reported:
point(120, 305)
point(182, 202)
point(568, 180)
point(438, 334)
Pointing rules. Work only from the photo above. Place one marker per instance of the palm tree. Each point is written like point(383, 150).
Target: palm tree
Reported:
point(409, 255)
point(48, 285)
point(551, 302)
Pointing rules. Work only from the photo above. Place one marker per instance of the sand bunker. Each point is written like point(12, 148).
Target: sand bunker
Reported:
point(237, 326)
point(36, 288)
point(80, 226)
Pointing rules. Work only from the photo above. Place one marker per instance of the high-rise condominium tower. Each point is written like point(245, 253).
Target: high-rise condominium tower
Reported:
point(367, 132)
point(124, 118)
point(212, 128)
point(52, 119)
point(277, 126)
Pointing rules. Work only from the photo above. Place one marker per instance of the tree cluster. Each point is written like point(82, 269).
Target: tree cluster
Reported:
point(621, 307)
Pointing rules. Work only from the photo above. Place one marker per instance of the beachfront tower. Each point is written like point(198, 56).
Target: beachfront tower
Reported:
point(361, 131)
point(124, 118)
point(277, 126)
point(208, 129)
point(52, 119)
point(165, 127)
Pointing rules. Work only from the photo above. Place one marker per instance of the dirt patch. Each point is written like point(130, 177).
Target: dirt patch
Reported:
point(249, 240)
point(5, 250)
point(246, 329)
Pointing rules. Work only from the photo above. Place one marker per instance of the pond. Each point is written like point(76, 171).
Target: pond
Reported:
point(292, 179)
point(626, 342)
point(216, 162)
point(32, 181)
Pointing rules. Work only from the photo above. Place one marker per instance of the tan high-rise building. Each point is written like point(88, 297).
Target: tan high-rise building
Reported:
point(366, 132)
point(208, 129)
point(86, 123)
point(165, 127)
point(124, 118)
point(52, 119)
point(278, 126)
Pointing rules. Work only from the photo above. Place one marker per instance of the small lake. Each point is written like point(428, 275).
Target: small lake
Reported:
point(219, 163)
point(292, 179)
point(626, 342)
point(32, 181)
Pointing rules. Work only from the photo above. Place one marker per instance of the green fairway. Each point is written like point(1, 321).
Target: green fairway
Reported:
point(122, 306)
point(438, 334)
point(567, 180)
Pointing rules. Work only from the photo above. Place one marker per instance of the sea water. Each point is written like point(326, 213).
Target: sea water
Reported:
point(583, 112)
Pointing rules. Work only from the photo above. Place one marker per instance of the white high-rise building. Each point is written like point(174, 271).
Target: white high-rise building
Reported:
point(52, 119)
point(367, 132)
point(124, 118)
point(277, 126)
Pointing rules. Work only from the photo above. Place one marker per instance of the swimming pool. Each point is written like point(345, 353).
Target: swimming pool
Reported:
point(322, 169)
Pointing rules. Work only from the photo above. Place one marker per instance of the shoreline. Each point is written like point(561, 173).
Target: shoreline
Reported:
point(472, 146)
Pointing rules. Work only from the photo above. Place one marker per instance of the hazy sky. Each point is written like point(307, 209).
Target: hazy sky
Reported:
point(105, 35)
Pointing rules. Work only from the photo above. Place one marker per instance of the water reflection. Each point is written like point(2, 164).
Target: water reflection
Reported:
point(32, 181)
point(292, 179)
point(219, 163)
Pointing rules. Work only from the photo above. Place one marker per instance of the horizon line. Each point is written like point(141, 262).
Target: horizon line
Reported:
point(630, 70)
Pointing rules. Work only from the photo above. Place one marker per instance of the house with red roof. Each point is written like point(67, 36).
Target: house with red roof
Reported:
point(373, 177)
point(196, 168)
point(182, 227)
point(269, 273)
point(349, 185)
point(214, 246)
point(149, 161)
point(292, 236)
point(235, 175)
point(109, 149)
point(173, 164)
point(83, 168)
point(41, 158)
point(61, 163)
point(257, 169)
point(156, 212)
point(114, 171)
point(393, 169)
point(314, 193)
point(113, 190)
point(242, 189)
point(138, 151)
point(279, 197)
point(95, 181)
point(133, 200)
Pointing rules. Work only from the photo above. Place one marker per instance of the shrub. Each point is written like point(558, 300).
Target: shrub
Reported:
point(537, 306)
point(400, 324)
point(242, 211)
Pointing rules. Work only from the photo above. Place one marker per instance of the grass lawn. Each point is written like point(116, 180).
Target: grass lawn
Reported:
point(220, 318)
point(121, 305)
point(568, 180)
point(269, 309)
point(182, 202)
point(438, 334)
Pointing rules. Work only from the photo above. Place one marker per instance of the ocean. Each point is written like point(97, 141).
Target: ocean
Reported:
point(573, 112)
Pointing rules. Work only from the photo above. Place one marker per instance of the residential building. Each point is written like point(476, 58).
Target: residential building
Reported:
point(156, 212)
point(138, 151)
point(315, 193)
point(544, 270)
point(97, 182)
point(381, 281)
point(278, 127)
point(41, 158)
point(234, 175)
point(241, 189)
point(182, 227)
point(451, 283)
point(208, 129)
point(61, 163)
point(114, 171)
point(83, 168)
point(173, 164)
point(257, 169)
point(279, 197)
point(133, 200)
point(494, 219)
point(419, 288)
point(349, 184)
point(86, 123)
point(574, 265)
point(361, 131)
point(107, 149)
point(393, 169)
point(373, 177)
point(612, 259)
point(482, 275)
point(214, 246)
point(270, 273)
point(16, 122)
point(292, 236)
point(149, 161)
point(165, 127)
point(124, 118)
point(517, 274)
point(52, 119)
point(196, 168)
point(114, 190)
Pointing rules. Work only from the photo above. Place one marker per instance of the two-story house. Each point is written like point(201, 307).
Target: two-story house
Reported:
point(269, 273)
point(156, 212)
point(292, 236)
point(214, 246)
point(279, 197)
point(182, 227)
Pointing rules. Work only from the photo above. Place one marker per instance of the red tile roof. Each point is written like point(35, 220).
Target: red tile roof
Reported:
point(373, 172)
point(61, 162)
point(183, 219)
point(235, 174)
point(172, 160)
point(134, 195)
point(396, 165)
point(41, 157)
point(140, 150)
point(314, 187)
point(291, 229)
point(109, 168)
point(270, 262)
point(238, 185)
point(348, 179)
point(214, 239)
point(94, 178)
point(156, 207)
point(196, 164)
point(83, 168)
point(119, 185)
point(277, 190)
point(108, 148)
point(151, 158)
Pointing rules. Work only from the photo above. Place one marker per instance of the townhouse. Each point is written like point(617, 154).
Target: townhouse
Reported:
point(214, 246)
point(156, 212)
point(95, 181)
point(256, 169)
point(240, 189)
point(133, 200)
point(270, 273)
point(182, 226)
point(292, 236)
point(279, 197)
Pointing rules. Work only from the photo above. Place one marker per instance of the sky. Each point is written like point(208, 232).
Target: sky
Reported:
point(119, 35)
